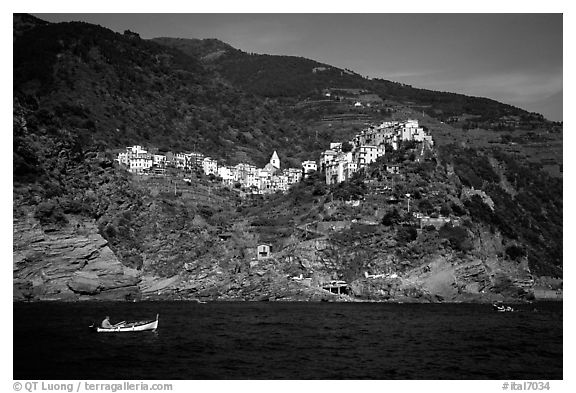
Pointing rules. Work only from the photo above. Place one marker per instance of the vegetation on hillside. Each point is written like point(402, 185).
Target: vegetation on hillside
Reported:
point(458, 183)
point(118, 90)
point(295, 78)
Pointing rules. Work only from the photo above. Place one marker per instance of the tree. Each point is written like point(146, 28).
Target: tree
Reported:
point(515, 252)
point(406, 234)
point(426, 206)
point(49, 212)
point(347, 147)
point(391, 218)
point(353, 189)
point(445, 210)
point(457, 236)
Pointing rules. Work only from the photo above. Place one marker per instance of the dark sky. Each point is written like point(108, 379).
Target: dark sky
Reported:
point(512, 58)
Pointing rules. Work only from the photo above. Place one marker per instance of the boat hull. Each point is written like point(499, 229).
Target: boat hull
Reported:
point(502, 308)
point(130, 327)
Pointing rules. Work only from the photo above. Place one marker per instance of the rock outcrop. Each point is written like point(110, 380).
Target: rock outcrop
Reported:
point(68, 263)
point(73, 262)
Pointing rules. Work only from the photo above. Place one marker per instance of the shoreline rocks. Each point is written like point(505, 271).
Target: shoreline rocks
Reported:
point(74, 263)
point(68, 263)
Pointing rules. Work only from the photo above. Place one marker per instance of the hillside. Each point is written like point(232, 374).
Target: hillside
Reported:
point(86, 229)
point(298, 78)
point(25, 22)
point(116, 90)
point(484, 191)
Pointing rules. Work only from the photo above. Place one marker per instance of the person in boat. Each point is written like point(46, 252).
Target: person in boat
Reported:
point(106, 323)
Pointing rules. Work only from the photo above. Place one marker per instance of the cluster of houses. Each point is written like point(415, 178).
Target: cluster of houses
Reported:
point(138, 160)
point(258, 180)
point(339, 165)
point(261, 180)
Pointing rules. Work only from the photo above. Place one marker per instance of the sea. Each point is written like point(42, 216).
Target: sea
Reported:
point(289, 340)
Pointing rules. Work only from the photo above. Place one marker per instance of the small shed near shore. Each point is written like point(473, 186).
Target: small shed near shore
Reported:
point(263, 251)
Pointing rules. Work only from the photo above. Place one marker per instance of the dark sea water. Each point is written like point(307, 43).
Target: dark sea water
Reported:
point(261, 340)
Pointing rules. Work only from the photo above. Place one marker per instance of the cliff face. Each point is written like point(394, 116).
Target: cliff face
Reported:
point(182, 256)
point(442, 275)
point(74, 262)
point(68, 263)
point(452, 281)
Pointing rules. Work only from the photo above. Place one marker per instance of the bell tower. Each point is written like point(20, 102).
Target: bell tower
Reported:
point(275, 161)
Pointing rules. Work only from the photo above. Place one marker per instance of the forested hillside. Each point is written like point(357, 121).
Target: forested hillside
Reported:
point(297, 78)
point(116, 89)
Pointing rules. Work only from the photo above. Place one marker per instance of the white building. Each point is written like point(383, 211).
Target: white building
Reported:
point(422, 136)
point(246, 175)
point(392, 132)
point(350, 168)
point(241, 170)
point(340, 169)
point(227, 175)
point(180, 160)
point(251, 180)
point(294, 175)
point(136, 159)
point(309, 166)
point(210, 166)
point(410, 131)
point(335, 172)
point(139, 164)
point(327, 157)
point(372, 136)
point(122, 158)
point(136, 150)
point(264, 180)
point(279, 183)
point(159, 160)
point(194, 159)
point(336, 146)
point(366, 154)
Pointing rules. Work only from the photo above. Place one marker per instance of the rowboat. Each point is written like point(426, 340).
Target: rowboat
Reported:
point(139, 326)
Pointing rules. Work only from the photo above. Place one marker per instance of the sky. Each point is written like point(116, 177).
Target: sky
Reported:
point(512, 58)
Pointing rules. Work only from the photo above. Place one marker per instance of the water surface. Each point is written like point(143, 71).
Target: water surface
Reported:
point(261, 340)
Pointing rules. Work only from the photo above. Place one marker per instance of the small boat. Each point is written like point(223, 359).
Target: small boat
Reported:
point(139, 326)
point(502, 308)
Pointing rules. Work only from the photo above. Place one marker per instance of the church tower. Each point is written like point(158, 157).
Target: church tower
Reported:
point(275, 161)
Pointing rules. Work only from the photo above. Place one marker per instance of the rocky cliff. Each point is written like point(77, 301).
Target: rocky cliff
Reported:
point(69, 263)
point(181, 255)
point(74, 262)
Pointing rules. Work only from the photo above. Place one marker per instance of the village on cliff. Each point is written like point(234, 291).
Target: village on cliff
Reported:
point(338, 163)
